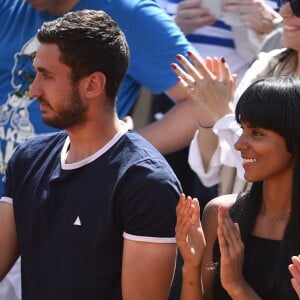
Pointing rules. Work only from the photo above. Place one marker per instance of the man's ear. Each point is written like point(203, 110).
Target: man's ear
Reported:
point(94, 84)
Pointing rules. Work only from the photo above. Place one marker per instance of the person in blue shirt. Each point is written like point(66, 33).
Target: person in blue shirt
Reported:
point(93, 214)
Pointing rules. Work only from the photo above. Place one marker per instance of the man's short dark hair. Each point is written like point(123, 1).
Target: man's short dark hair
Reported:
point(89, 41)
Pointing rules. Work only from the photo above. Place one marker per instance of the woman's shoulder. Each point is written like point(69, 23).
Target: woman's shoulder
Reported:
point(210, 212)
point(224, 200)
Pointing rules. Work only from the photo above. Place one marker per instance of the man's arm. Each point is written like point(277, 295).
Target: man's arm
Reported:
point(176, 129)
point(9, 249)
point(147, 270)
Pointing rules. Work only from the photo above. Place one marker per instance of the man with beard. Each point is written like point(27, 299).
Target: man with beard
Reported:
point(93, 212)
point(153, 39)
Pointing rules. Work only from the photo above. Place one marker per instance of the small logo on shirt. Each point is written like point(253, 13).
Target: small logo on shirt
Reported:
point(77, 222)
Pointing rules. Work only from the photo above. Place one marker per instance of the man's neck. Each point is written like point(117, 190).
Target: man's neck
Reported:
point(87, 140)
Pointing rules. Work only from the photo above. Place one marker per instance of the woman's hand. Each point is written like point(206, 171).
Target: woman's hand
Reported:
point(210, 84)
point(294, 269)
point(232, 254)
point(189, 234)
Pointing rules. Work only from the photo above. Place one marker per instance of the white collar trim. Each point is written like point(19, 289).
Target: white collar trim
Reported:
point(91, 158)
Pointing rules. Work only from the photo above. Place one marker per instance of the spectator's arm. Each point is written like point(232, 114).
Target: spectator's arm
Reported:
point(147, 270)
point(9, 250)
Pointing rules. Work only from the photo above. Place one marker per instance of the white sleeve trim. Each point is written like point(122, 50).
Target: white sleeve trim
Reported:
point(149, 239)
point(229, 131)
point(6, 199)
point(211, 176)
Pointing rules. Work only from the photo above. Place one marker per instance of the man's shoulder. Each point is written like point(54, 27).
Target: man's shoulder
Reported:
point(51, 137)
point(41, 143)
point(137, 152)
point(9, 4)
point(117, 8)
point(138, 145)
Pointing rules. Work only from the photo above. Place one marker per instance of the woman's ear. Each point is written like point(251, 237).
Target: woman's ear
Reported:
point(94, 85)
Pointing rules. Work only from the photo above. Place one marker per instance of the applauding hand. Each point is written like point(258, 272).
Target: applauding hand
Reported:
point(189, 234)
point(209, 83)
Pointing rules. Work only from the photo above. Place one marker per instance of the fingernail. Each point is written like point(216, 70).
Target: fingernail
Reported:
point(173, 66)
point(178, 56)
point(223, 60)
point(189, 53)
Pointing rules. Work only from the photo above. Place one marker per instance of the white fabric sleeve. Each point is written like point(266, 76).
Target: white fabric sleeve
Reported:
point(211, 176)
point(229, 131)
point(6, 199)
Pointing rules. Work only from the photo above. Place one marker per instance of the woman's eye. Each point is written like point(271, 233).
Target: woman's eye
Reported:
point(257, 132)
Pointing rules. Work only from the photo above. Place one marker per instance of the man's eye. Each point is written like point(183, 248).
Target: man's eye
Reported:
point(46, 75)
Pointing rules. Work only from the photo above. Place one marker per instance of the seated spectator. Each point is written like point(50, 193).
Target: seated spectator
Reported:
point(80, 204)
point(243, 248)
point(149, 66)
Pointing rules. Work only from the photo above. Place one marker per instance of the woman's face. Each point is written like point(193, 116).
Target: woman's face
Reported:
point(264, 154)
point(291, 28)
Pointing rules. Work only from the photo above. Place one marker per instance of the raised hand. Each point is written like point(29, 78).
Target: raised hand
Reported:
point(232, 254)
point(189, 234)
point(210, 84)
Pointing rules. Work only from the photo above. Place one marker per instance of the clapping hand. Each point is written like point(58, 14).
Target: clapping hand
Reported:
point(294, 269)
point(189, 234)
point(209, 83)
point(232, 254)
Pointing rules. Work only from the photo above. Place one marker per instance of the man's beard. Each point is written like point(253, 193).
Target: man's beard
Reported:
point(73, 114)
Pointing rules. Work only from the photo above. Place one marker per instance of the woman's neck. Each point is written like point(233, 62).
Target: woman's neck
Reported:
point(277, 199)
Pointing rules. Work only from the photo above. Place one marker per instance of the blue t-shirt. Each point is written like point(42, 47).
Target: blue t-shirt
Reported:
point(153, 38)
point(75, 216)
